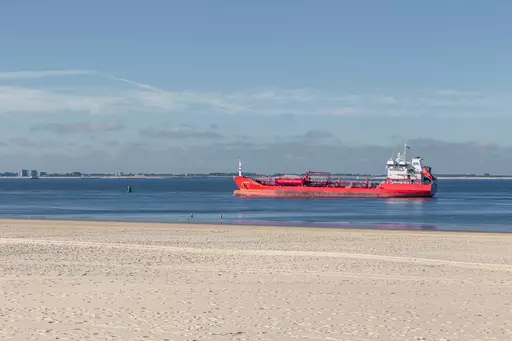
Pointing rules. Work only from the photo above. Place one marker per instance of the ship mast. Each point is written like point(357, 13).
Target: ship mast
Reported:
point(239, 167)
point(405, 151)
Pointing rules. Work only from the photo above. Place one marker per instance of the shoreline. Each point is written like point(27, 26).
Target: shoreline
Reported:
point(157, 177)
point(264, 226)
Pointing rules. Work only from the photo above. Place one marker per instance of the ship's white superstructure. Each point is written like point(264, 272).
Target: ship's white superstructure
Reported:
point(402, 171)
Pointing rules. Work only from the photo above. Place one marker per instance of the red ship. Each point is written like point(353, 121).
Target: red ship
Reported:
point(404, 180)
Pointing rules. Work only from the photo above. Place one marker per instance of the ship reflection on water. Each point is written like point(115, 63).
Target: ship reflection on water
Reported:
point(408, 200)
point(405, 227)
point(410, 214)
point(340, 225)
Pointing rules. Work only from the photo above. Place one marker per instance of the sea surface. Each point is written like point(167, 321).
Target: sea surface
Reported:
point(460, 205)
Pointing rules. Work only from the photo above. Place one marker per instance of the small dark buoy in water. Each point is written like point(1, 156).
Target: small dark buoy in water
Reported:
point(129, 189)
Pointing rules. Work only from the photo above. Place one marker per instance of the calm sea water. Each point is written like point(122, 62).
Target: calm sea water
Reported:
point(474, 205)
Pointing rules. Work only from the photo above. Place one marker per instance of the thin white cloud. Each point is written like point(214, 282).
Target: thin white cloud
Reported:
point(345, 111)
point(453, 92)
point(146, 98)
point(168, 100)
point(78, 127)
point(12, 75)
point(21, 99)
point(304, 95)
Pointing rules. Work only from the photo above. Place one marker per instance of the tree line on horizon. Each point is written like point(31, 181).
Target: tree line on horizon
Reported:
point(229, 174)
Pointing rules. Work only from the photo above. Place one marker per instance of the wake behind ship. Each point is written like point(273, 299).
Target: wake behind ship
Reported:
point(404, 180)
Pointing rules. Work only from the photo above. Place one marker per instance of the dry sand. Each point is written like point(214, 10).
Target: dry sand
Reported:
point(132, 281)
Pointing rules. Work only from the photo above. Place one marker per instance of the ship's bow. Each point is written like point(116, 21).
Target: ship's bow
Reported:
point(245, 186)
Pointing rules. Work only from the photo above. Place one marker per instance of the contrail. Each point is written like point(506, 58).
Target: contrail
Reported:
point(137, 84)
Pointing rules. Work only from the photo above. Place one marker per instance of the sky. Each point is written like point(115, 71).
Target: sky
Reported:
point(288, 86)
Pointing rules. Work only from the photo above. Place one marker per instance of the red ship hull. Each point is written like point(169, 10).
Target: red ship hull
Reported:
point(251, 188)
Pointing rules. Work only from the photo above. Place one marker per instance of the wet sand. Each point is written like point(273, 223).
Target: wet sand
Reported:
point(136, 281)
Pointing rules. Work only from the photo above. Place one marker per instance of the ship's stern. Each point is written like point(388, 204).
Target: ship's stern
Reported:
point(433, 188)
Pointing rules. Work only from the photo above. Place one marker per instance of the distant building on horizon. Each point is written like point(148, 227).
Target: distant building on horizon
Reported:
point(33, 173)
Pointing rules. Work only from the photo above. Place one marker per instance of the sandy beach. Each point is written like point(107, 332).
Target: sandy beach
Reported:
point(136, 281)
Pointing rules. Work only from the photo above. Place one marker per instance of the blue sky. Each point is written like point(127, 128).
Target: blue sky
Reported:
point(169, 86)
